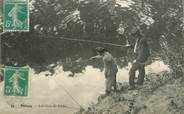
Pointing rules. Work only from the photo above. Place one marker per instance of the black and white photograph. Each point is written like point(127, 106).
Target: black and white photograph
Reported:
point(91, 56)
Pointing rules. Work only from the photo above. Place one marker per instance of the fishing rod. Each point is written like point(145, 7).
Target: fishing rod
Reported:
point(88, 41)
point(82, 40)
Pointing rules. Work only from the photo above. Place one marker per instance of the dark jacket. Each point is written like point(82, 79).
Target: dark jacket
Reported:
point(143, 51)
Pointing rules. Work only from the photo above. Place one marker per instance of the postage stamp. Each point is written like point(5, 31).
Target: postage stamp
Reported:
point(15, 15)
point(16, 81)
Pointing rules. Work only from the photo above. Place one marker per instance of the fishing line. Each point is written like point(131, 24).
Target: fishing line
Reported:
point(88, 41)
point(71, 96)
point(80, 40)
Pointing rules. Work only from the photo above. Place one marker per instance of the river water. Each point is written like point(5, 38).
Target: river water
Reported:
point(54, 92)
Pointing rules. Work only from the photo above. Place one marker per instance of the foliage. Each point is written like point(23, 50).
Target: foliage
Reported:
point(98, 20)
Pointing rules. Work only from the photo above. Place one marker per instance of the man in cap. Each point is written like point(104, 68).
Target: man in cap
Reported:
point(141, 49)
point(110, 68)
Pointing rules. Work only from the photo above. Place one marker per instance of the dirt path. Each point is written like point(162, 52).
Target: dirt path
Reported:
point(161, 94)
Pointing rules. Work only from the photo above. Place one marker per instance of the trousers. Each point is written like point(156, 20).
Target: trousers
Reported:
point(111, 81)
point(141, 68)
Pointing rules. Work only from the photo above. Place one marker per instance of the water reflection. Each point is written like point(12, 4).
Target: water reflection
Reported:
point(84, 87)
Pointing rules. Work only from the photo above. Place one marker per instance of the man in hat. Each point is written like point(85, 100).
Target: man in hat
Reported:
point(110, 68)
point(141, 49)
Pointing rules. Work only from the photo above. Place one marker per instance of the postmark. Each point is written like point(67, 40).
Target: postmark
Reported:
point(15, 15)
point(16, 81)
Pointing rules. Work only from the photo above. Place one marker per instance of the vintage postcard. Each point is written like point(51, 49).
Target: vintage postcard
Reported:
point(91, 56)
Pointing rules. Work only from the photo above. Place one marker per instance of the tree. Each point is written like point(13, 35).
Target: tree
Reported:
point(99, 20)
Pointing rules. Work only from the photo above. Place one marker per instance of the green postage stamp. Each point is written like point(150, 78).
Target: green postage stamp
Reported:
point(16, 81)
point(15, 15)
